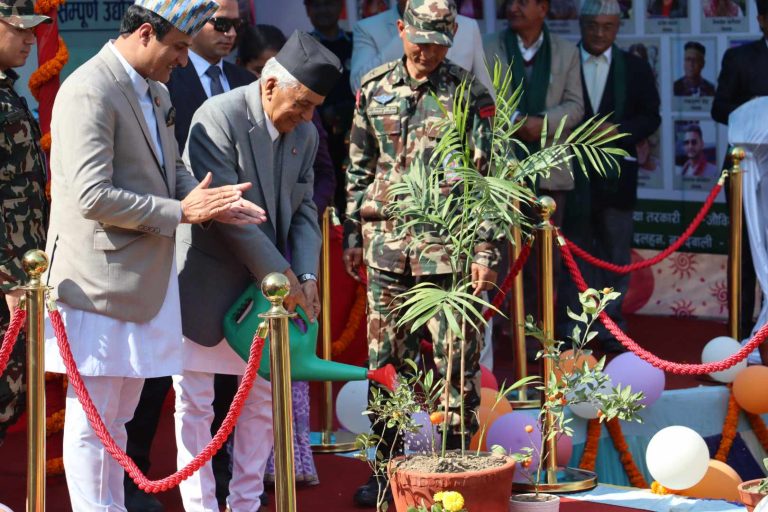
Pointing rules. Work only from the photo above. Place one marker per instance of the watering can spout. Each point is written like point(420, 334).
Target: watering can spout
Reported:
point(386, 376)
point(242, 320)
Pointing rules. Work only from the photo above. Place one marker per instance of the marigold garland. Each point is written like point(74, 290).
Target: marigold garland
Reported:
point(45, 6)
point(54, 467)
point(589, 457)
point(356, 316)
point(729, 427)
point(758, 427)
point(657, 488)
point(635, 476)
point(54, 423)
point(48, 69)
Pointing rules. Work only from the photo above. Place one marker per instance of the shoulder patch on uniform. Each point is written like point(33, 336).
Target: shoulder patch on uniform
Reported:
point(378, 71)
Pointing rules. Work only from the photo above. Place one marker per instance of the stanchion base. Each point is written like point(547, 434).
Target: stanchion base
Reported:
point(567, 480)
point(333, 442)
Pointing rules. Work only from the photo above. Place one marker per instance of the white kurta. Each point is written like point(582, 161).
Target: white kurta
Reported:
point(106, 347)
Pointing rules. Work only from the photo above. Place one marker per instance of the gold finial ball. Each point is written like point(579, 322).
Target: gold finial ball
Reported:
point(275, 287)
point(738, 153)
point(547, 207)
point(35, 263)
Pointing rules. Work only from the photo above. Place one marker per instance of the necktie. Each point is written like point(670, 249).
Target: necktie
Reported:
point(214, 73)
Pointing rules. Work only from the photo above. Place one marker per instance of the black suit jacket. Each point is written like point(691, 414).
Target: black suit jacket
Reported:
point(187, 94)
point(742, 77)
point(640, 118)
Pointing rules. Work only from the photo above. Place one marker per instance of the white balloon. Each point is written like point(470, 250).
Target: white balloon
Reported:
point(588, 410)
point(762, 505)
point(351, 401)
point(677, 457)
point(718, 349)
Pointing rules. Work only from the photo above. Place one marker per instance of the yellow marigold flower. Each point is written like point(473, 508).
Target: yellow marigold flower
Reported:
point(438, 497)
point(453, 501)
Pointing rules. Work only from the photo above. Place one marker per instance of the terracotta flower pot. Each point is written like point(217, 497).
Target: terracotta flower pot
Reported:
point(528, 503)
point(485, 490)
point(748, 497)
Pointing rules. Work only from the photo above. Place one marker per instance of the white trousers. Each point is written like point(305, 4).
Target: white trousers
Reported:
point(94, 478)
point(252, 443)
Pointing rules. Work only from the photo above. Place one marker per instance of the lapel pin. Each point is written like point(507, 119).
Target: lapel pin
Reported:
point(294, 151)
point(157, 101)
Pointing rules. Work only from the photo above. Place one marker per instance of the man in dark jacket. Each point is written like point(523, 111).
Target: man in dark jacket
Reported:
point(599, 217)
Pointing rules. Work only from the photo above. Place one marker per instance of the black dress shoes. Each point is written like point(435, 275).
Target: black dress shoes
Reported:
point(137, 500)
point(368, 493)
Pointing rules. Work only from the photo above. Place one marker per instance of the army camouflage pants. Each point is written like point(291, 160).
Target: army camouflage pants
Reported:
point(13, 388)
point(388, 344)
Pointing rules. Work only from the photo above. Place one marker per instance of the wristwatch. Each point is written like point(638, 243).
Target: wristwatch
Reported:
point(303, 278)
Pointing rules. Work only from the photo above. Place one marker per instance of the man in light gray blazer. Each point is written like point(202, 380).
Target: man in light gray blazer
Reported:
point(119, 192)
point(375, 41)
point(261, 133)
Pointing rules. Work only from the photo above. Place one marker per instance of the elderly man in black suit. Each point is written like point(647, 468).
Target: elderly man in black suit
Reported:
point(599, 218)
point(742, 77)
point(205, 75)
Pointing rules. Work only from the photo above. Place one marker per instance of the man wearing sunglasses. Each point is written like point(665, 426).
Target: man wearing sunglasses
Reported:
point(205, 75)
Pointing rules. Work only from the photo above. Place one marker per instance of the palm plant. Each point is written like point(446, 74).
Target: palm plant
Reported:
point(461, 201)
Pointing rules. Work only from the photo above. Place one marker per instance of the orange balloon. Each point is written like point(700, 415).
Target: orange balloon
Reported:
point(486, 416)
point(568, 363)
point(749, 389)
point(719, 483)
point(475, 444)
point(488, 400)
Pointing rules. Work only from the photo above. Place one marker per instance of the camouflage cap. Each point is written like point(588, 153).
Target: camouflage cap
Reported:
point(430, 21)
point(21, 13)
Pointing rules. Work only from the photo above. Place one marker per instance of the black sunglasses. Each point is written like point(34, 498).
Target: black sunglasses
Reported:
point(224, 24)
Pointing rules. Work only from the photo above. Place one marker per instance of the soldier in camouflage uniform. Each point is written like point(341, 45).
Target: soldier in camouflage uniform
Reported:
point(395, 123)
point(23, 203)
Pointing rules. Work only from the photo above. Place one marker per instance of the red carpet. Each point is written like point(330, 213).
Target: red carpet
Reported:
point(676, 339)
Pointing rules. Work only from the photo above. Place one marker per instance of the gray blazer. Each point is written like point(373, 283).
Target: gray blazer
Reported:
point(216, 262)
point(564, 95)
point(114, 208)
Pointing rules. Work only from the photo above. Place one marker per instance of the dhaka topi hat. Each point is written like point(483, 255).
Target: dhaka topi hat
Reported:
point(311, 63)
point(430, 21)
point(189, 16)
point(600, 8)
point(21, 14)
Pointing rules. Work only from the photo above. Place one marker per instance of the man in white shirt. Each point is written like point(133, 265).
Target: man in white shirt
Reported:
point(375, 41)
point(206, 75)
point(119, 191)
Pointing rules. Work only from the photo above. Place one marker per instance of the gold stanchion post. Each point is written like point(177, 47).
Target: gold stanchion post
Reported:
point(330, 441)
point(275, 288)
point(554, 479)
point(734, 288)
point(35, 264)
point(517, 320)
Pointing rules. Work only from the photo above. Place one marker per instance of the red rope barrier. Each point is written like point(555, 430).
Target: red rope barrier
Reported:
point(11, 335)
point(625, 269)
point(97, 424)
point(508, 281)
point(670, 366)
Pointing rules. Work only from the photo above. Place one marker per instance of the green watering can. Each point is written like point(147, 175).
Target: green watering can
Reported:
point(242, 321)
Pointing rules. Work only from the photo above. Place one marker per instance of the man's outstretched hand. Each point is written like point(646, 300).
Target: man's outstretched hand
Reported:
point(225, 204)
